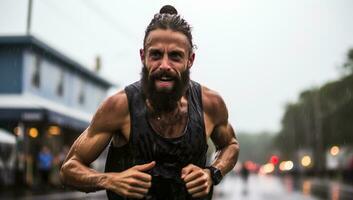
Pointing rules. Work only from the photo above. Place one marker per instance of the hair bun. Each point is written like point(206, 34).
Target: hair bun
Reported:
point(168, 9)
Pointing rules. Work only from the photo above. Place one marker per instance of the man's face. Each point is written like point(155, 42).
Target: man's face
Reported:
point(166, 59)
point(166, 55)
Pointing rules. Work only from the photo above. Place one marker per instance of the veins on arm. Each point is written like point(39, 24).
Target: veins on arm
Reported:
point(227, 148)
point(75, 172)
point(222, 133)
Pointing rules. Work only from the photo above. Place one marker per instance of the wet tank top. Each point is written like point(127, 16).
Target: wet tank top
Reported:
point(170, 154)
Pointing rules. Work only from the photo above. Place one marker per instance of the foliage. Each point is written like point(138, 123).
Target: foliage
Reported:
point(255, 147)
point(322, 117)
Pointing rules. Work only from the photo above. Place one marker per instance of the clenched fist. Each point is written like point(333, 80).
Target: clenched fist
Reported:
point(198, 181)
point(131, 183)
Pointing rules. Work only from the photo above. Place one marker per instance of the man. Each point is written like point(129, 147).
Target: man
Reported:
point(45, 164)
point(158, 127)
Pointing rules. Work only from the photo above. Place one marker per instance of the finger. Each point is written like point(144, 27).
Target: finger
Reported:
point(142, 176)
point(138, 190)
point(198, 188)
point(199, 181)
point(135, 195)
point(139, 183)
point(145, 167)
point(200, 194)
point(186, 170)
point(193, 175)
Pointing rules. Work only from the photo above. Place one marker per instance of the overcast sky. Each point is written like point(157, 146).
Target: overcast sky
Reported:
point(257, 54)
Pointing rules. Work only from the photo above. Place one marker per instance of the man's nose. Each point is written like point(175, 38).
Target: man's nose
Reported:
point(165, 64)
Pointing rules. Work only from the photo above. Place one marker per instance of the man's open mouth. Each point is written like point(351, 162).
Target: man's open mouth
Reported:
point(166, 78)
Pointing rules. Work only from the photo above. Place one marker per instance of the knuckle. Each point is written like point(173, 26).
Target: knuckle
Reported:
point(205, 185)
point(128, 188)
point(125, 193)
point(129, 180)
point(132, 181)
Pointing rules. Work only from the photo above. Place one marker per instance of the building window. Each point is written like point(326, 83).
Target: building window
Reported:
point(81, 94)
point(60, 86)
point(36, 73)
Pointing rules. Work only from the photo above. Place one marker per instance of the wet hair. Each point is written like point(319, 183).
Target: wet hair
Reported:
point(168, 18)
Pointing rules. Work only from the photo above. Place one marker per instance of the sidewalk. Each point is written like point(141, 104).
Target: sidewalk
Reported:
point(48, 193)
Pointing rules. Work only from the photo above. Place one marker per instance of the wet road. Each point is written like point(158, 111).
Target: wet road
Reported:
point(234, 188)
point(282, 188)
point(259, 188)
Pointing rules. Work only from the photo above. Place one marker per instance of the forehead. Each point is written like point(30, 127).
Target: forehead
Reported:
point(160, 38)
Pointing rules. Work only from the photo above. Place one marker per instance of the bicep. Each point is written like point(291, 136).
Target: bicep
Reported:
point(223, 135)
point(110, 117)
point(89, 145)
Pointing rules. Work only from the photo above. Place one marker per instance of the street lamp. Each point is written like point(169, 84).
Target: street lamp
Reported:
point(286, 165)
point(306, 161)
point(334, 151)
point(33, 132)
point(54, 130)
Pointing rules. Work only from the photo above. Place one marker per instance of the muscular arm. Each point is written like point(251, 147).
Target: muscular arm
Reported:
point(227, 148)
point(111, 116)
point(198, 181)
point(220, 131)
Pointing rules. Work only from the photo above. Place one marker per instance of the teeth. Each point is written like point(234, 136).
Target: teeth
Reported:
point(165, 78)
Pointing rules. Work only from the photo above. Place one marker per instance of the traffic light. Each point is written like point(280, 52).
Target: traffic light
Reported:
point(274, 160)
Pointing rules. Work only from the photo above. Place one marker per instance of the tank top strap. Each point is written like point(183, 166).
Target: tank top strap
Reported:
point(137, 110)
point(196, 106)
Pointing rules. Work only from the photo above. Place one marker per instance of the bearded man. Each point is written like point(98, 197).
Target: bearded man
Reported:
point(157, 127)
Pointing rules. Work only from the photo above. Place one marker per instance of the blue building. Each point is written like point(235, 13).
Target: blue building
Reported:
point(46, 99)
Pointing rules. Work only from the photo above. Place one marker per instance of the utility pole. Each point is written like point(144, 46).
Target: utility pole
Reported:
point(319, 153)
point(29, 17)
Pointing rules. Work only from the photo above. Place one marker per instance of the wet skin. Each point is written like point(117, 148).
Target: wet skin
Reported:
point(168, 51)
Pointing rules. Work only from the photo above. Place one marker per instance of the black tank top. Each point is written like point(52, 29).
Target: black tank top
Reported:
point(170, 154)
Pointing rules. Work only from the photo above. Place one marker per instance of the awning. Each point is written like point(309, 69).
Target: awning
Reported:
point(36, 109)
point(6, 137)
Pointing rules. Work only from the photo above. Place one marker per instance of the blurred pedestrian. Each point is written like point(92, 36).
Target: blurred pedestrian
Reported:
point(45, 164)
point(159, 127)
point(244, 174)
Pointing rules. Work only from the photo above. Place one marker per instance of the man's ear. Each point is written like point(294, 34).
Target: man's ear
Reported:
point(191, 60)
point(142, 55)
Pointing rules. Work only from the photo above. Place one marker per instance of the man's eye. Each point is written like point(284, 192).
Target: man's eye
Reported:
point(155, 55)
point(175, 56)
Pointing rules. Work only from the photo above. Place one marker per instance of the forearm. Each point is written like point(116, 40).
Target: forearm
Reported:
point(76, 175)
point(226, 158)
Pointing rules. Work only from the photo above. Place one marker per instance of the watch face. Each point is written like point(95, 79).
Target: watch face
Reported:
point(217, 176)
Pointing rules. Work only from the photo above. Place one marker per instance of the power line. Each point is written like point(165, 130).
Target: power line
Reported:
point(108, 18)
point(63, 14)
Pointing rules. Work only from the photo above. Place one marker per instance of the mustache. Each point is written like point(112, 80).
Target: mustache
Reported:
point(157, 74)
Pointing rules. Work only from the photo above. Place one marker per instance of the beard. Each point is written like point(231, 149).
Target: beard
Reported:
point(164, 100)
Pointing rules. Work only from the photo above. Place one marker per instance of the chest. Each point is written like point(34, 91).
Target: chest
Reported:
point(169, 126)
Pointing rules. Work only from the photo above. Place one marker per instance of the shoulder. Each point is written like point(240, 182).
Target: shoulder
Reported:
point(213, 105)
point(112, 113)
point(116, 102)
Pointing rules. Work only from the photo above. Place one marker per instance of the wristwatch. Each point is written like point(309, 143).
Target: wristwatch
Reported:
point(216, 175)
